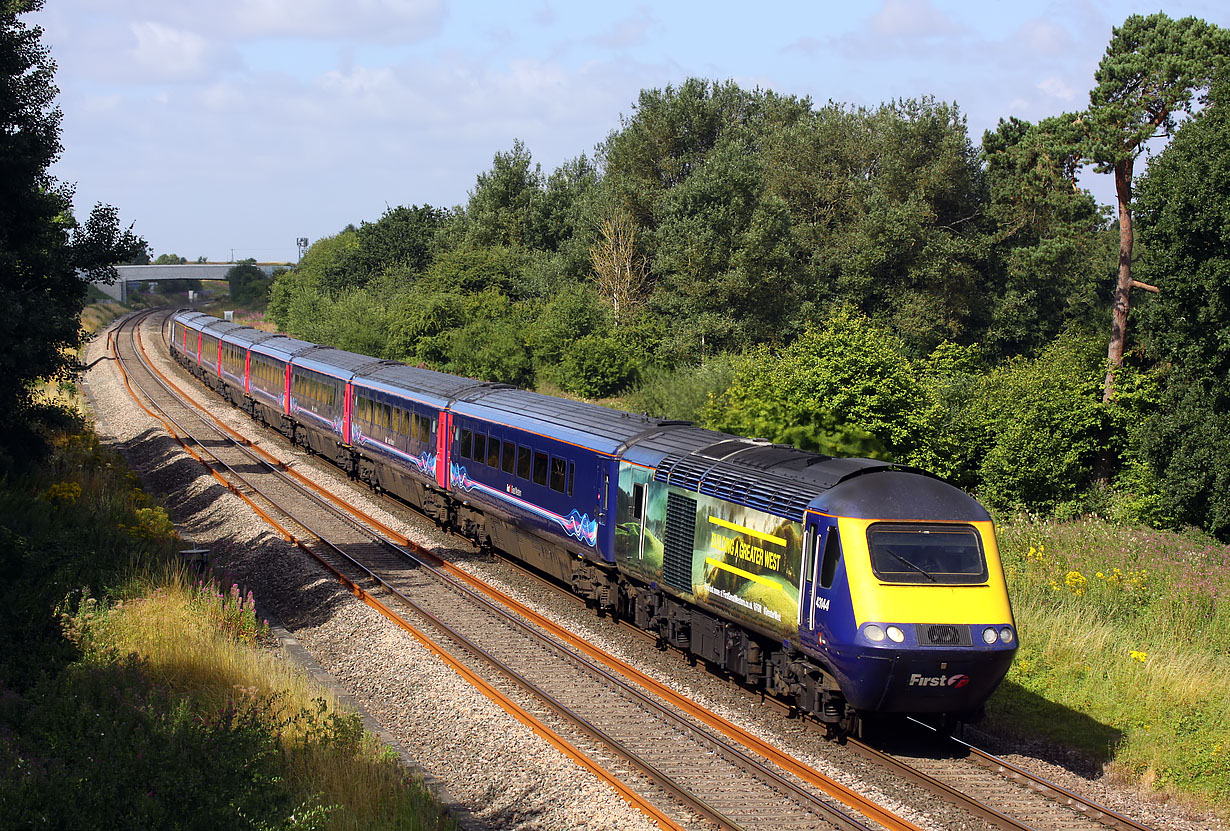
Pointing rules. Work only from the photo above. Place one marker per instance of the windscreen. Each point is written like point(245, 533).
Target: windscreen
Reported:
point(921, 553)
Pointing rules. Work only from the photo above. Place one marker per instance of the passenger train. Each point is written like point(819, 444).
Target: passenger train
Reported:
point(845, 586)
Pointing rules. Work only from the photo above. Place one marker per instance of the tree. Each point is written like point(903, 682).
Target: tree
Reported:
point(247, 283)
point(1183, 213)
point(44, 251)
point(501, 206)
point(1050, 245)
point(619, 271)
point(170, 259)
point(1153, 69)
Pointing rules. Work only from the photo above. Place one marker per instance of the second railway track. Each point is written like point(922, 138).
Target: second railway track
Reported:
point(664, 752)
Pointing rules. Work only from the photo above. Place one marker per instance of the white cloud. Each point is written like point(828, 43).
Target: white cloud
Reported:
point(630, 31)
point(163, 53)
point(1044, 37)
point(1056, 87)
point(911, 19)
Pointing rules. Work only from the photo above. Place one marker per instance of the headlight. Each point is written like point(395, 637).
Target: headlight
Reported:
point(1006, 635)
point(895, 634)
point(874, 633)
point(989, 636)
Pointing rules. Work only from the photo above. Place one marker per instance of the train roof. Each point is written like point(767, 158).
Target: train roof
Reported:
point(282, 347)
point(578, 422)
point(219, 328)
point(246, 336)
point(192, 319)
point(330, 361)
point(900, 494)
point(425, 385)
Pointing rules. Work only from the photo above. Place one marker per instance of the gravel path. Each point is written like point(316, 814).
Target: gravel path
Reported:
point(494, 771)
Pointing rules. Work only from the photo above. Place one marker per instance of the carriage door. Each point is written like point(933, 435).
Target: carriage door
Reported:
point(821, 554)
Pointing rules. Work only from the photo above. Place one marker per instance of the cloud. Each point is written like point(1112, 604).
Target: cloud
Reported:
point(364, 21)
point(1056, 87)
point(375, 20)
point(911, 20)
point(1044, 37)
point(163, 53)
point(630, 31)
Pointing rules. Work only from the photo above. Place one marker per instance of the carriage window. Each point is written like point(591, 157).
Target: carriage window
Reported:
point(540, 468)
point(559, 474)
point(493, 452)
point(523, 461)
point(572, 475)
point(509, 460)
point(464, 450)
point(638, 500)
point(480, 447)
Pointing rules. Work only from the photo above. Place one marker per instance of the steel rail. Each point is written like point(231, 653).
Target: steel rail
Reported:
point(475, 590)
point(490, 691)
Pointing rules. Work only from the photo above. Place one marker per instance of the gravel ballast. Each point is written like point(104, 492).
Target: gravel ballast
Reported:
point(493, 770)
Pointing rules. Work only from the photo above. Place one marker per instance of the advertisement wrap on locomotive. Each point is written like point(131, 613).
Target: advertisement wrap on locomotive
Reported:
point(847, 587)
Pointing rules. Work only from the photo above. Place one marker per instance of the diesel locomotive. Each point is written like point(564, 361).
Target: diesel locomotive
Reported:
point(845, 586)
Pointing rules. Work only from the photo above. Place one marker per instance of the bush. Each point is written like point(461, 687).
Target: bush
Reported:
point(1045, 427)
point(683, 392)
point(1185, 447)
point(845, 389)
point(596, 366)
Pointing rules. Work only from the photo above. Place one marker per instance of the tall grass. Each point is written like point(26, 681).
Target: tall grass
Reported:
point(1124, 638)
point(135, 693)
point(193, 638)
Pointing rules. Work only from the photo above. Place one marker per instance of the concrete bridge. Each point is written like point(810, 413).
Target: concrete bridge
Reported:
point(154, 273)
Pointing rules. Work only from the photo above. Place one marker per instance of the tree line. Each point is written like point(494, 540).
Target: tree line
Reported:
point(854, 280)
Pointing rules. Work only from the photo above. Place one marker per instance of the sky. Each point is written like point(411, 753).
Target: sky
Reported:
point(232, 128)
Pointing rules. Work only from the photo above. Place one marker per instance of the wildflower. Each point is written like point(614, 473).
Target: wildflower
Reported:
point(1139, 655)
point(1075, 581)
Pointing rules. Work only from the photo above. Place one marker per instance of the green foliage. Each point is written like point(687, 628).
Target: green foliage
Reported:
point(1044, 428)
point(1152, 70)
point(844, 389)
point(1184, 221)
point(1185, 446)
point(327, 265)
point(170, 259)
point(1053, 249)
point(682, 392)
point(42, 247)
point(573, 312)
point(596, 366)
point(248, 284)
point(502, 207)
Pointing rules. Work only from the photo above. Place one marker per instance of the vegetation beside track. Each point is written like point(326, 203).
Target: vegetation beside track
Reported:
point(1124, 636)
point(136, 692)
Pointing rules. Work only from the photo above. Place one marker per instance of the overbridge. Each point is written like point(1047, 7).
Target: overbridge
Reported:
point(155, 273)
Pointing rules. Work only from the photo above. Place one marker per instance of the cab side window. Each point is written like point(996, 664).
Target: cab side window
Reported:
point(832, 554)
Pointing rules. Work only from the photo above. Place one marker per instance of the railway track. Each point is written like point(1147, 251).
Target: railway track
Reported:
point(640, 740)
point(697, 766)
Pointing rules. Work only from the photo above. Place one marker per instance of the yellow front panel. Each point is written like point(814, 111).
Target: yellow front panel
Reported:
point(875, 600)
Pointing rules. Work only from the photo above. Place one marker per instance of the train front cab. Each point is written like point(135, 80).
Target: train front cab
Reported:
point(910, 614)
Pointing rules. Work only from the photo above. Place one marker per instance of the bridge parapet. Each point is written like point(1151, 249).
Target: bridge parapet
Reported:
point(189, 271)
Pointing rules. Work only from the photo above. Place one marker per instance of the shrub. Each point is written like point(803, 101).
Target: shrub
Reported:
point(596, 366)
point(844, 389)
point(1047, 428)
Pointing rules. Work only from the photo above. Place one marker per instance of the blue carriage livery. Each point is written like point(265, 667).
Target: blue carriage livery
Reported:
point(846, 586)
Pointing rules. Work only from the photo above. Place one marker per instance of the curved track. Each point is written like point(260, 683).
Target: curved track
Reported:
point(676, 761)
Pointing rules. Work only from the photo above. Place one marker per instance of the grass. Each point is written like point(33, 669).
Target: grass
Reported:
point(1124, 635)
point(136, 693)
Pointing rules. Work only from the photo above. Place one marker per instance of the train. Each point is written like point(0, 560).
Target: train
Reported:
point(846, 587)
